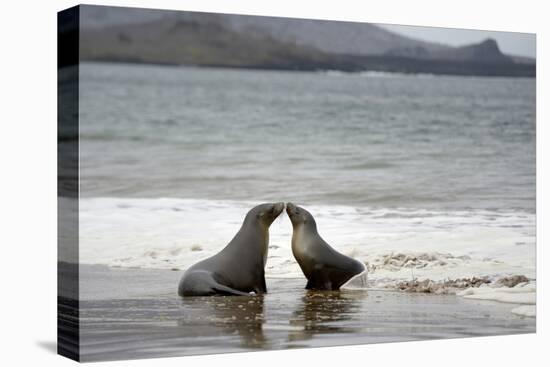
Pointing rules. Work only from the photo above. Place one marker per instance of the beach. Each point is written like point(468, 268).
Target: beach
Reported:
point(427, 180)
point(136, 313)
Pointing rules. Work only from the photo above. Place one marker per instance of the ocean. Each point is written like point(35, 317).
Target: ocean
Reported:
point(416, 175)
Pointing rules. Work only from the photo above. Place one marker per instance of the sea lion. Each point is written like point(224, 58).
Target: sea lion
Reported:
point(324, 267)
point(238, 269)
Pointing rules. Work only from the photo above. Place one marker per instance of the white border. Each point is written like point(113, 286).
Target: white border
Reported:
point(28, 160)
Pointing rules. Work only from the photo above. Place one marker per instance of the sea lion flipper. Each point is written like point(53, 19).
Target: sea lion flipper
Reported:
point(220, 288)
point(263, 287)
point(315, 282)
point(204, 283)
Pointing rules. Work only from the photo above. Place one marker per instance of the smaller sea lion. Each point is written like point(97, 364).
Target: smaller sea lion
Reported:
point(324, 267)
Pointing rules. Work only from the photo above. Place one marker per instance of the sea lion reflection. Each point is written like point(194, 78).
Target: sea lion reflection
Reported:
point(326, 312)
point(227, 316)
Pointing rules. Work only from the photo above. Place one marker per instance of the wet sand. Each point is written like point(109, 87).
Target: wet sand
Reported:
point(135, 313)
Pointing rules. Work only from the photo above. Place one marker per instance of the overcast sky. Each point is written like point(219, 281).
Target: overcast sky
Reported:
point(521, 44)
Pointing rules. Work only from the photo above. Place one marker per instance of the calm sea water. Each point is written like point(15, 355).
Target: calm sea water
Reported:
point(317, 138)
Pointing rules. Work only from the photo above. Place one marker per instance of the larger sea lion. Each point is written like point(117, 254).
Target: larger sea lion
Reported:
point(324, 267)
point(238, 269)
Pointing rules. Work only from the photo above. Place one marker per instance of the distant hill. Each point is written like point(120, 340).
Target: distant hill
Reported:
point(329, 36)
point(485, 51)
point(523, 59)
point(198, 40)
point(207, 39)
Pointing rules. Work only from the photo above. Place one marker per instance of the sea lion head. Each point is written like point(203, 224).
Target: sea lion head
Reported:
point(299, 216)
point(266, 213)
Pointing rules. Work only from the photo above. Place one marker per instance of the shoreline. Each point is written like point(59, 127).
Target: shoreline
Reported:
point(145, 318)
point(522, 71)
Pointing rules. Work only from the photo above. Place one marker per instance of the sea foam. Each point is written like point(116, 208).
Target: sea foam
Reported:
point(523, 294)
point(395, 244)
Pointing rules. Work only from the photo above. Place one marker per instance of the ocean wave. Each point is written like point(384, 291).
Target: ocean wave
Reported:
point(395, 244)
